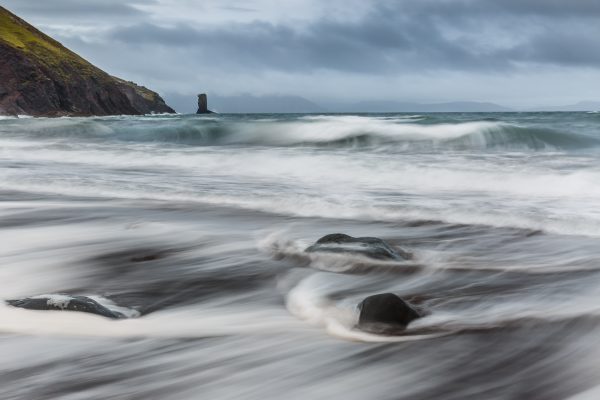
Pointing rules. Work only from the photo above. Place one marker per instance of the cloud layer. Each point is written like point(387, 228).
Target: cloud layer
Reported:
point(390, 46)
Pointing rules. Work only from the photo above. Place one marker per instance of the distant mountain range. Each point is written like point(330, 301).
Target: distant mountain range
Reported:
point(581, 106)
point(264, 104)
point(399, 106)
point(246, 104)
point(295, 104)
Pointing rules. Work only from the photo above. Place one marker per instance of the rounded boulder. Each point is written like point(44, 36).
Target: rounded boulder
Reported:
point(385, 313)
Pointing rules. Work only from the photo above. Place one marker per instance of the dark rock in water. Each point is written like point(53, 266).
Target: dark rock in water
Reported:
point(63, 302)
point(203, 105)
point(385, 313)
point(368, 246)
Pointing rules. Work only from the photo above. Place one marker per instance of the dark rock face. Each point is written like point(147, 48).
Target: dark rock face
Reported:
point(40, 77)
point(203, 105)
point(367, 246)
point(385, 314)
point(62, 303)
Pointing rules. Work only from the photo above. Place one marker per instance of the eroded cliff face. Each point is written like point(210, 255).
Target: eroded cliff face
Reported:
point(41, 77)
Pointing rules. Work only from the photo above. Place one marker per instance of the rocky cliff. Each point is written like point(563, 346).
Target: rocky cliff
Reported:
point(41, 77)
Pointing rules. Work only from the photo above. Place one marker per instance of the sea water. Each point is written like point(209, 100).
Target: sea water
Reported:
point(197, 226)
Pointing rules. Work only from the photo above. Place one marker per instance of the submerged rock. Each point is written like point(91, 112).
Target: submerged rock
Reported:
point(367, 246)
point(385, 313)
point(64, 302)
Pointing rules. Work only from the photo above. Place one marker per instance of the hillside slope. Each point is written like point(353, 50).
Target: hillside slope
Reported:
point(41, 77)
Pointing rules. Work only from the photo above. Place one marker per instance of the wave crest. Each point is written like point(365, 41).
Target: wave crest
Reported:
point(390, 133)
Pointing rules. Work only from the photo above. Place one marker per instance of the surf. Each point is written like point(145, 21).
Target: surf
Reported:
point(395, 133)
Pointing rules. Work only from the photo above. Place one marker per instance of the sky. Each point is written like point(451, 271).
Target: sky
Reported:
point(518, 53)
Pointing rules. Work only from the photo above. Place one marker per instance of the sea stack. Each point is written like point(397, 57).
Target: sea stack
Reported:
point(203, 104)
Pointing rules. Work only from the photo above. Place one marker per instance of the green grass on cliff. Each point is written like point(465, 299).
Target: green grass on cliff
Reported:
point(141, 90)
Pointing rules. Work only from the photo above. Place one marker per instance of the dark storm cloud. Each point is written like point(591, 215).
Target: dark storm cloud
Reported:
point(397, 36)
point(565, 48)
point(557, 8)
point(378, 42)
point(392, 37)
point(430, 50)
point(74, 8)
point(237, 8)
point(494, 9)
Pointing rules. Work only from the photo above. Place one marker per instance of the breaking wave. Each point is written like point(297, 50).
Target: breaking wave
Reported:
point(396, 133)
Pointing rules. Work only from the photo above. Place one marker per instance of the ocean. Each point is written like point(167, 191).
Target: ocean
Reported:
point(195, 227)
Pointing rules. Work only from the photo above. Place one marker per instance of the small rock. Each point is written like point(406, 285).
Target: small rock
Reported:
point(64, 302)
point(385, 313)
point(367, 246)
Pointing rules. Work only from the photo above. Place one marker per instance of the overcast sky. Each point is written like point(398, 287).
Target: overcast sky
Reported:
point(517, 53)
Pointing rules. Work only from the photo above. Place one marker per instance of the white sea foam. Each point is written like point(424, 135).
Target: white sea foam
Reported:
point(369, 187)
point(56, 300)
point(133, 209)
point(180, 323)
point(331, 129)
point(308, 302)
point(112, 306)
